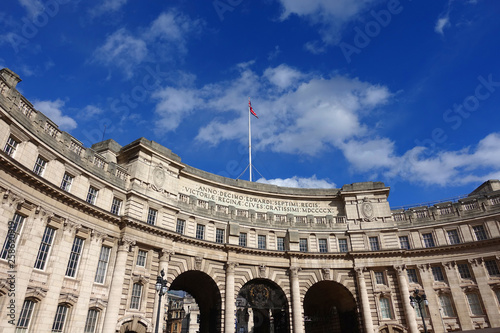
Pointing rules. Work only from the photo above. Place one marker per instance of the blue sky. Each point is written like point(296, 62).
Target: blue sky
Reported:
point(404, 92)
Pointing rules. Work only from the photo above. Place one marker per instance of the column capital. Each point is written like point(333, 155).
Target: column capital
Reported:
point(476, 261)
point(72, 226)
point(125, 243)
point(165, 254)
point(294, 271)
point(230, 266)
point(400, 269)
point(360, 270)
point(449, 265)
point(97, 235)
point(424, 267)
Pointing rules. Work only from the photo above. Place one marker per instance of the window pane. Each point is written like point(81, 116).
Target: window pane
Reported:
point(200, 231)
point(136, 296)
point(492, 267)
point(91, 322)
point(437, 273)
point(102, 265)
point(474, 304)
point(74, 257)
point(66, 182)
point(404, 242)
point(412, 275)
point(385, 308)
point(60, 318)
point(303, 245)
point(92, 195)
point(343, 245)
point(152, 213)
point(261, 241)
point(219, 236)
point(243, 239)
point(25, 316)
point(39, 166)
point(116, 206)
point(428, 240)
point(374, 246)
point(464, 271)
point(480, 232)
point(180, 226)
point(10, 146)
point(14, 231)
point(322, 245)
point(281, 243)
point(141, 258)
point(44, 249)
point(379, 277)
point(446, 305)
point(453, 237)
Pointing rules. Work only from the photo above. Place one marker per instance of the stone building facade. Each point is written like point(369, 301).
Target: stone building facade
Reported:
point(86, 231)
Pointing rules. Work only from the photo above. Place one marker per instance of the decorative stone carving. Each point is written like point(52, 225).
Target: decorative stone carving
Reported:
point(400, 269)
point(158, 176)
point(367, 211)
point(230, 266)
point(294, 271)
point(359, 270)
point(125, 243)
point(165, 254)
point(326, 273)
point(424, 267)
point(476, 261)
point(197, 263)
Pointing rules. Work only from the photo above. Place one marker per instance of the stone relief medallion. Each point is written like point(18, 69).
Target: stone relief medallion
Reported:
point(158, 176)
point(367, 210)
point(259, 295)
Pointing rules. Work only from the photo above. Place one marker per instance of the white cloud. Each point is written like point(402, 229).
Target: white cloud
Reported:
point(33, 7)
point(329, 15)
point(53, 110)
point(122, 50)
point(164, 39)
point(90, 111)
point(107, 6)
point(283, 76)
point(174, 105)
point(311, 182)
point(442, 23)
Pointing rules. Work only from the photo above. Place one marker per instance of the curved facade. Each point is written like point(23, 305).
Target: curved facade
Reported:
point(86, 231)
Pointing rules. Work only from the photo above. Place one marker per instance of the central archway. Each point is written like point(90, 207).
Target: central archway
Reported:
point(262, 307)
point(207, 295)
point(330, 308)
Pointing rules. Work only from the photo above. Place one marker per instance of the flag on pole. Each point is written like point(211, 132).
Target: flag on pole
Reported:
point(251, 109)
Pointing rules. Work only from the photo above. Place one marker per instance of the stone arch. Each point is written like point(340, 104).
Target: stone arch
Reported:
point(207, 295)
point(392, 328)
point(330, 307)
point(262, 307)
point(134, 324)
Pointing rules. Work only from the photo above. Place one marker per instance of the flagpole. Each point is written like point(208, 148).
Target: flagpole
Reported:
point(249, 140)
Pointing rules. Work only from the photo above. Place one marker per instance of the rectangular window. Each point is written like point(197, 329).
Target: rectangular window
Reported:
point(43, 251)
point(428, 240)
point(385, 308)
point(91, 322)
point(446, 305)
point(463, 270)
point(14, 231)
point(412, 275)
point(343, 245)
point(243, 239)
point(219, 236)
point(491, 267)
point(39, 166)
point(152, 214)
point(404, 242)
point(116, 205)
point(261, 241)
point(141, 258)
point(23, 322)
point(303, 245)
point(135, 300)
point(74, 257)
point(60, 318)
point(180, 226)
point(379, 278)
point(322, 245)
point(374, 246)
point(66, 182)
point(102, 265)
point(11, 146)
point(280, 245)
point(453, 237)
point(200, 231)
point(437, 273)
point(92, 195)
point(474, 304)
point(480, 232)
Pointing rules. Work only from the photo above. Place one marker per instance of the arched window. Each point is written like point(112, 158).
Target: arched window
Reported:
point(447, 306)
point(60, 318)
point(385, 308)
point(91, 321)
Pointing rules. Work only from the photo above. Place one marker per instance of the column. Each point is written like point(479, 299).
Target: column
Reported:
point(485, 291)
point(411, 319)
point(298, 323)
point(230, 299)
point(365, 302)
point(433, 310)
point(458, 296)
point(164, 260)
point(116, 287)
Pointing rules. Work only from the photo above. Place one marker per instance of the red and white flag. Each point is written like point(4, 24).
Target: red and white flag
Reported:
point(251, 109)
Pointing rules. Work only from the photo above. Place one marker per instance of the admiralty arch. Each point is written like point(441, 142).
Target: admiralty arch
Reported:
point(85, 232)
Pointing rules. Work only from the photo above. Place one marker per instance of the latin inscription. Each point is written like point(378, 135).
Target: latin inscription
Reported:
point(248, 202)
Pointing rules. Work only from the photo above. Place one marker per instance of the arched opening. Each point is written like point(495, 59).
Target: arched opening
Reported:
point(207, 296)
point(330, 308)
point(262, 307)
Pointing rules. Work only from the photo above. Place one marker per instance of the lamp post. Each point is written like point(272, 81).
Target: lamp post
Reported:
point(418, 299)
point(161, 289)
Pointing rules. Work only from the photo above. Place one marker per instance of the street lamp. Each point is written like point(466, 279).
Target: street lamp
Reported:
point(418, 298)
point(161, 289)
